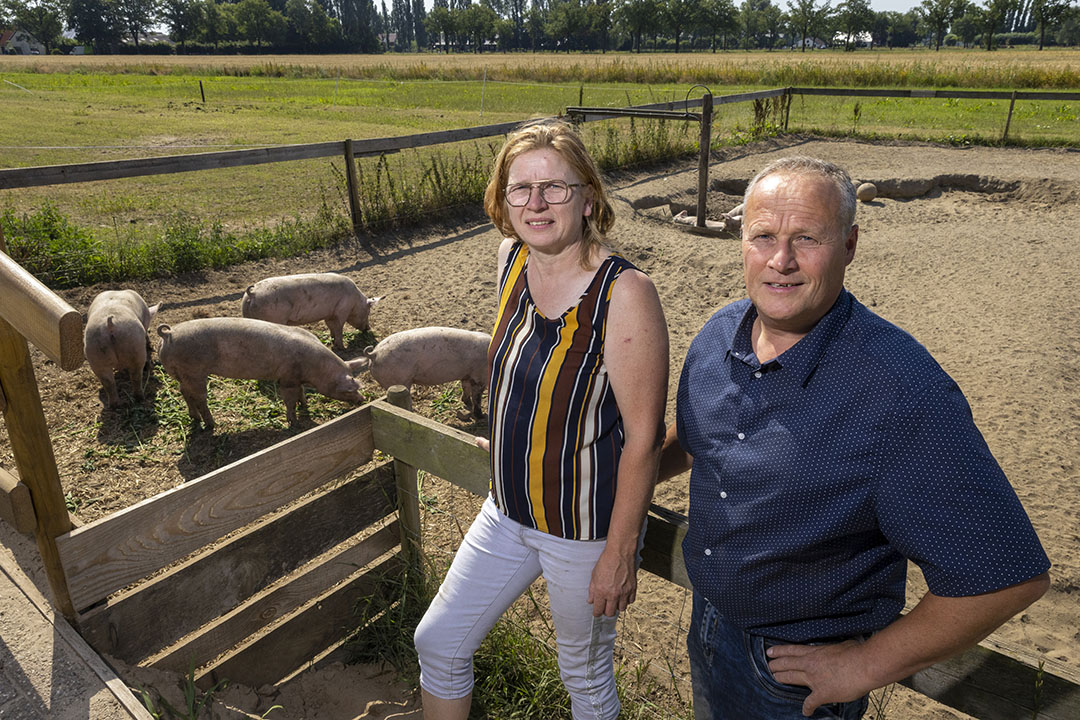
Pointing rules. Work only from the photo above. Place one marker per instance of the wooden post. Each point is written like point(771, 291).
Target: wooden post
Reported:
point(34, 458)
point(703, 156)
point(787, 106)
point(202, 92)
point(407, 490)
point(354, 187)
point(1008, 120)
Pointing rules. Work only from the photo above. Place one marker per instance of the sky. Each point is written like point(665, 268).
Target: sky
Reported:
point(877, 5)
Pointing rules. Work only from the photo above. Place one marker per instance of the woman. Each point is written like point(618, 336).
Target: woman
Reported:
point(579, 363)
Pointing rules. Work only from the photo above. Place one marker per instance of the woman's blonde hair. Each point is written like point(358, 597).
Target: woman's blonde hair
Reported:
point(560, 137)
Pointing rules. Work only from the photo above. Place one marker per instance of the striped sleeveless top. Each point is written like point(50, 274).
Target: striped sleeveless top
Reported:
point(556, 433)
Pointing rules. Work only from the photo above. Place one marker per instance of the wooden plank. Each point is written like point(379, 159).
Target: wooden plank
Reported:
point(237, 626)
point(16, 507)
point(957, 94)
point(40, 315)
point(140, 167)
point(997, 681)
point(291, 644)
point(408, 490)
point(165, 165)
point(662, 554)
point(112, 552)
point(34, 458)
point(142, 621)
point(430, 446)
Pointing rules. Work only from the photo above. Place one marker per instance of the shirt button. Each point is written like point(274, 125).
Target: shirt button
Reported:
point(708, 551)
point(723, 495)
point(757, 374)
point(741, 436)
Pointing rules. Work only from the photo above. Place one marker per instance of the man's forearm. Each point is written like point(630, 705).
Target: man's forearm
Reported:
point(938, 628)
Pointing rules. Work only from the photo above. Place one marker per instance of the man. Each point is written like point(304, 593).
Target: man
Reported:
point(827, 447)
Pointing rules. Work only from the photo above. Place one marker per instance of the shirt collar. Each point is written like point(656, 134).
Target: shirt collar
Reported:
point(803, 357)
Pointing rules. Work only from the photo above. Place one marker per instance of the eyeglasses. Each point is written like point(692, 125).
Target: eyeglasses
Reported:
point(554, 192)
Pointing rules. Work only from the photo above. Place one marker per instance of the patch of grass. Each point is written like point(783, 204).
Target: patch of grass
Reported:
point(516, 669)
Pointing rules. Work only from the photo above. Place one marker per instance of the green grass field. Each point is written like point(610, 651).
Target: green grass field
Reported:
point(61, 110)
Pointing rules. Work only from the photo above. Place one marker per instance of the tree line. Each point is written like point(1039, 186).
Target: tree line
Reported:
point(534, 25)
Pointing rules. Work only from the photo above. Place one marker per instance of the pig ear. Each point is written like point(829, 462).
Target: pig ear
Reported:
point(358, 365)
point(153, 310)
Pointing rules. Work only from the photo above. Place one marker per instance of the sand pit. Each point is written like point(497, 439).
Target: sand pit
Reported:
point(971, 250)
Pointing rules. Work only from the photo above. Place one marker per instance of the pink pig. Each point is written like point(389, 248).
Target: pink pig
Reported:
point(116, 339)
point(432, 356)
point(308, 298)
point(253, 349)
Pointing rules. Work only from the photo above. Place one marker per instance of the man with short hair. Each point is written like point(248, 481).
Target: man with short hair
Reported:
point(827, 448)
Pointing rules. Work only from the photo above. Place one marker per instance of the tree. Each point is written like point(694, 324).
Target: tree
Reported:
point(44, 19)
point(854, 17)
point(183, 18)
point(939, 15)
point(419, 28)
point(478, 23)
point(96, 23)
point(772, 23)
point(748, 22)
point(259, 22)
point(677, 14)
point(807, 17)
point(966, 27)
point(440, 25)
point(598, 16)
point(567, 19)
point(1047, 12)
point(136, 17)
point(719, 18)
point(636, 16)
point(992, 15)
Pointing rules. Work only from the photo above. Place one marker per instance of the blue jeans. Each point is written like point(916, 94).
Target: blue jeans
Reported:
point(731, 676)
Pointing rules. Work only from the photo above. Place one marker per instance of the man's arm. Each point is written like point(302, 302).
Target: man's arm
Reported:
point(936, 629)
point(673, 459)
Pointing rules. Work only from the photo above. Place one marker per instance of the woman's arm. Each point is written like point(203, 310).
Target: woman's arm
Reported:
point(636, 358)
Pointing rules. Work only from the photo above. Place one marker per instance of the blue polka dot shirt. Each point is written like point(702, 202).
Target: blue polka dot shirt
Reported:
point(816, 474)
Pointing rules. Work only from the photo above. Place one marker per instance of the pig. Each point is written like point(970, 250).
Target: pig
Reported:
point(117, 338)
point(308, 298)
point(253, 349)
point(432, 356)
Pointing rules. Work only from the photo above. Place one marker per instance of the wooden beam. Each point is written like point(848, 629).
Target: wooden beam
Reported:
point(105, 555)
point(431, 446)
point(113, 169)
point(40, 315)
point(142, 621)
point(275, 603)
point(662, 554)
point(289, 645)
point(34, 458)
point(957, 94)
point(408, 491)
point(997, 681)
point(16, 507)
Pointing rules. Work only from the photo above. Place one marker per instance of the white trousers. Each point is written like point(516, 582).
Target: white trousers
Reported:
point(497, 561)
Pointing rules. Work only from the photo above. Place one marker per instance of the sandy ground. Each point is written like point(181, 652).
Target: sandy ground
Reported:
point(971, 250)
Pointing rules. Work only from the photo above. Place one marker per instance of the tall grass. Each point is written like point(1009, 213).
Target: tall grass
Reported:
point(879, 68)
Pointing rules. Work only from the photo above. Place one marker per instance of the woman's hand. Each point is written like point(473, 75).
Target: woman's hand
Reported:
point(482, 443)
point(614, 583)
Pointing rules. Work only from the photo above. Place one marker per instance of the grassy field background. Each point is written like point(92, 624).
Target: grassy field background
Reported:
point(72, 109)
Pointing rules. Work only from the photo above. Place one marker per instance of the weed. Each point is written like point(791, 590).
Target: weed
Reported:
point(879, 701)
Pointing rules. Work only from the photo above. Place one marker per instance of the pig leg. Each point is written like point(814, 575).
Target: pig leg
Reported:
point(194, 392)
point(336, 326)
point(135, 373)
point(470, 396)
point(108, 384)
point(292, 394)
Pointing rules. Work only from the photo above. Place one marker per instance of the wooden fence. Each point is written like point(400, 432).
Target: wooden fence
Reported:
point(259, 564)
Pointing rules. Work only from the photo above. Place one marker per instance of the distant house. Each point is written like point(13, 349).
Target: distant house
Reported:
point(16, 41)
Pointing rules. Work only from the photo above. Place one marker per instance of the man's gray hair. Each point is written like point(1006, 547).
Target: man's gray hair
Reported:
point(805, 165)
